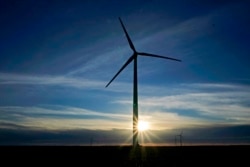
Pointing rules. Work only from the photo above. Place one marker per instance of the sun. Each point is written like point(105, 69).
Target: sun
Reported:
point(143, 126)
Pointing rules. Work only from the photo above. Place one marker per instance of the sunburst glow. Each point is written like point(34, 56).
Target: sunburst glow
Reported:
point(143, 126)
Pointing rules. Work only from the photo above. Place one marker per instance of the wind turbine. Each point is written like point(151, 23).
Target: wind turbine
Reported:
point(135, 86)
point(180, 138)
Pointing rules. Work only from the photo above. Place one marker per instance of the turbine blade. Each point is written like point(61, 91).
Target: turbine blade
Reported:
point(127, 63)
point(153, 55)
point(128, 38)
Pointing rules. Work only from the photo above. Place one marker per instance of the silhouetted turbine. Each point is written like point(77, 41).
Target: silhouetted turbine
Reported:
point(180, 138)
point(135, 96)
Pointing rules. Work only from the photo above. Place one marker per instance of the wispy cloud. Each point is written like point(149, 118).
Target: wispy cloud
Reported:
point(168, 38)
point(214, 103)
point(186, 104)
point(100, 60)
point(59, 80)
point(9, 78)
point(62, 117)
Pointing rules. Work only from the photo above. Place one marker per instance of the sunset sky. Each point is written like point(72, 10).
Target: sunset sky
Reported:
point(58, 56)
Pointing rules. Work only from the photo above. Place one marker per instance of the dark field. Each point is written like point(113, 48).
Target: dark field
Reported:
point(126, 156)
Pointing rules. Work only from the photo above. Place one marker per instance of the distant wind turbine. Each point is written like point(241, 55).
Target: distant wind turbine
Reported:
point(180, 138)
point(135, 86)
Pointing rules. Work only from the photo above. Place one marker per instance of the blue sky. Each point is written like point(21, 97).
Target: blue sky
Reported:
point(58, 56)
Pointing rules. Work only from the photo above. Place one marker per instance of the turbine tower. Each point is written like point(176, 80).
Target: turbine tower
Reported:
point(135, 86)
